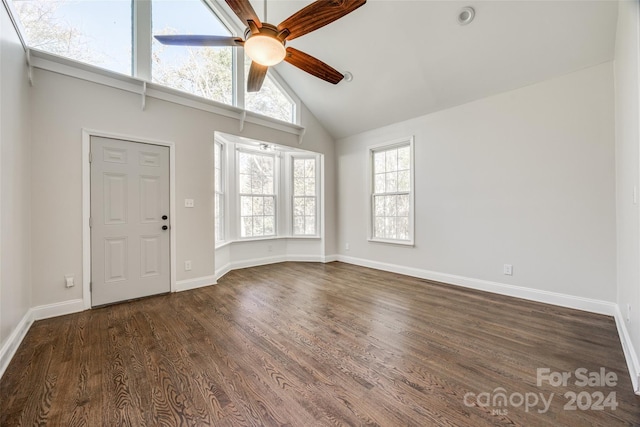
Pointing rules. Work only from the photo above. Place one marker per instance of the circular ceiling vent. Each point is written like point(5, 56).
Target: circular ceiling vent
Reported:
point(466, 15)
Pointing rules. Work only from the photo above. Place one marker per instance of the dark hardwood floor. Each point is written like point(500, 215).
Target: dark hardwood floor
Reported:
point(301, 344)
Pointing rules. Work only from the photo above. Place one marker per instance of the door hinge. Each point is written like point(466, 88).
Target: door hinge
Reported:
point(90, 157)
point(90, 222)
point(90, 286)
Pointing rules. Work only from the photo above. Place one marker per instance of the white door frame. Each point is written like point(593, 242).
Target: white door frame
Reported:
point(86, 204)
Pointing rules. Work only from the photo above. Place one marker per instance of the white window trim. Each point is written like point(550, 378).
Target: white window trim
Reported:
point(290, 196)
point(224, 191)
point(370, 214)
point(238, 194)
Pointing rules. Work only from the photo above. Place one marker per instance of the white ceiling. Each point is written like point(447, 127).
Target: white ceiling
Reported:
point(410, 58)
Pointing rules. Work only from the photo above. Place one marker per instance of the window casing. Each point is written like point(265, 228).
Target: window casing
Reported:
point(305, 190)
point(392, 192)
point(257, 194)
point(219, 184)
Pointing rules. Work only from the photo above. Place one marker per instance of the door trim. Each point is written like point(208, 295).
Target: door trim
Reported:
point(86, 204)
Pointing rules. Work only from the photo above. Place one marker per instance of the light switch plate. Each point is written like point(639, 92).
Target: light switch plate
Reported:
point(189, 203)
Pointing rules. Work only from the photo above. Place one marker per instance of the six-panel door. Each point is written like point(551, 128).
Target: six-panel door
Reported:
point(130, 243)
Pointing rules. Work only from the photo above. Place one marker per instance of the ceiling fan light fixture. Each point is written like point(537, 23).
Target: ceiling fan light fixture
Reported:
point(265, 50)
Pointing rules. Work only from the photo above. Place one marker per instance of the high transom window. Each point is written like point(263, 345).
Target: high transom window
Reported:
point(114, 35)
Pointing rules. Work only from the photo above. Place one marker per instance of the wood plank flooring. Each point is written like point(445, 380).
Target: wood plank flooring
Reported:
point(301, 344)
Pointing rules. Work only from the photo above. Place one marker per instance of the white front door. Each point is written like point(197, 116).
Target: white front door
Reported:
point(130, 238)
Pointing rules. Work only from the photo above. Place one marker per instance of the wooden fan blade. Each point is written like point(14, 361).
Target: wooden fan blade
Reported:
point(317, 15)
point(191, 40)
point(244, 11)
point(256, 77)
point(313, 66)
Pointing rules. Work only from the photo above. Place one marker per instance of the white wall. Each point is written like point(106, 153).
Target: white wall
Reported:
point(525, 178)
point(62, 106)
point(627, 161)
point(15, 290)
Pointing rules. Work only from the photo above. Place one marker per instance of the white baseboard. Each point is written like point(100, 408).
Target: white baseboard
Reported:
point(40, 312)
point(629, 352)
point(199, 282)
point(330, 258)
point(222, 271)
point(554, 298)
point(57, 309)
point(12, 343)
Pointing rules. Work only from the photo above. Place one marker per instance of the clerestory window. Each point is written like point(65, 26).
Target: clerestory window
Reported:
point(101, 33)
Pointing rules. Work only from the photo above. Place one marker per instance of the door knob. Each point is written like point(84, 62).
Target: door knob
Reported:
point(164, 227)
point(165, 217)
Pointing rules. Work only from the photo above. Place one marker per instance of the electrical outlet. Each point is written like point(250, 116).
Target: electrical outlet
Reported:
point(628, 312)
point(187, 266)
point(346, 247)
point(68, 281)
point(508, 270)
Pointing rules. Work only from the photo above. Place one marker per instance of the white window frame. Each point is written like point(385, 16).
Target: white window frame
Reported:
point(318, 202)
point(401, 142)
point(276, 193)
point(223, 192)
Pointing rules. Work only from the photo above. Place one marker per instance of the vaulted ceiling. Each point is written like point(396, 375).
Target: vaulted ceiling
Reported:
point(410, 58)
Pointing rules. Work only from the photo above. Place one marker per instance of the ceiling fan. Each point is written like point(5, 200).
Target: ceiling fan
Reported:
point(265, 43)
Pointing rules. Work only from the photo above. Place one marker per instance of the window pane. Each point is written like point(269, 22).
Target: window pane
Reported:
point(310, 168)
point(402, 228)
point(403, 205)
point(379, 227)
point(298, 206)
point(258, 204)
point(404, 181)
point(298, 225)
point(391, 179)
point(379, 162)
point(390, 205)
point(310, 206)
point(392, 160)
point(310, 225)
point(202, 71)
point(246, 206)
point(298, 168)
point(378, 202)
point(298, 187)
point(379, 183)
point(258, 226)
point(310, 186)
point(246, 227)
point(268, 206)
point(269, 226)
point(270, 101)
point(404, 158)
point(95, 32)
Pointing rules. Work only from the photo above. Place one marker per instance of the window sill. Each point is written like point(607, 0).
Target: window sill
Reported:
point(260, 239)
point(68, 67)
point(409, 243)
